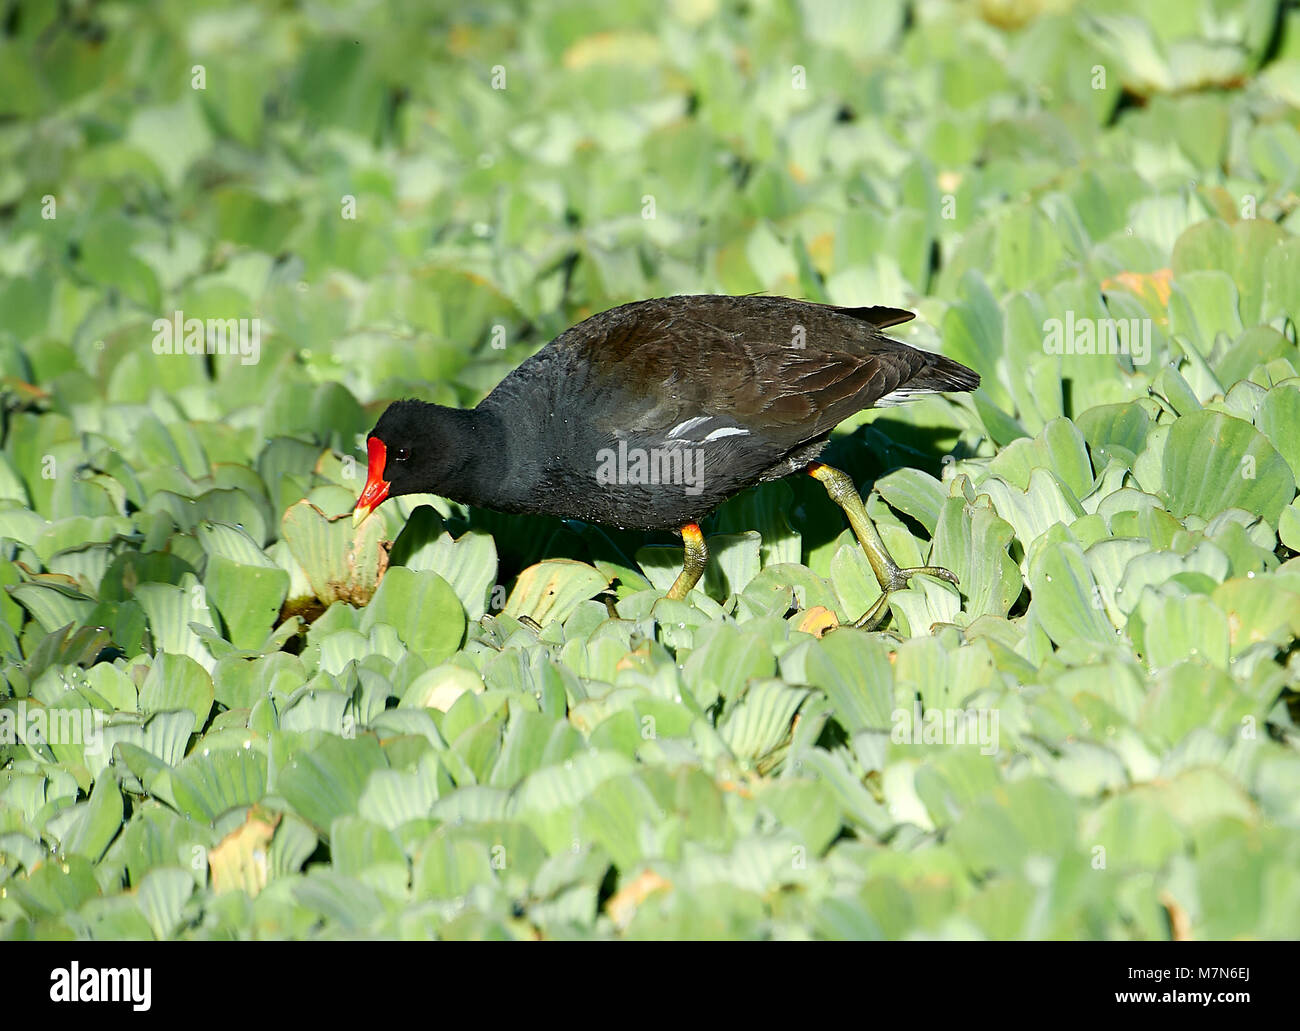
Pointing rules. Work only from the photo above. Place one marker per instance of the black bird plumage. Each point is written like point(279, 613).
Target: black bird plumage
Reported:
point(748, 387)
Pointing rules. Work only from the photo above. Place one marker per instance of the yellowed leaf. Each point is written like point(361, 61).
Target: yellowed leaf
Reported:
point(622, 48)
point(240, 859)
point(1153, 288)
point(817, 621)
point(638, 658)
point(623, 905)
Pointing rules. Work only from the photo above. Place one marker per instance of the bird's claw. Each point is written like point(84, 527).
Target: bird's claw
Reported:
point(898, 578)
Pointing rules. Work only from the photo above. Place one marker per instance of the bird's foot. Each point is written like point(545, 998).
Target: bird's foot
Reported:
point(896, 579)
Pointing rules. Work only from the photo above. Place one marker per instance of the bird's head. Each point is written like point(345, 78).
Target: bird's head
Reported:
point(408, 452)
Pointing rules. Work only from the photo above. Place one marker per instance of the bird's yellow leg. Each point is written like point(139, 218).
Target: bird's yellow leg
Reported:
point(889, 575)
point(697, 557)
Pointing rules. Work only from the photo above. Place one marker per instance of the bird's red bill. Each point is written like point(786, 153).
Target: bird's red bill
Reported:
point(376, 488)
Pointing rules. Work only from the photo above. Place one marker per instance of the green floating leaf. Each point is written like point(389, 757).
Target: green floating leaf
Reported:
point(348, 904)
point(177, 682)
point(1135, 832)
point(55, 888)
point(327, 780)
point(1278, 419)
point(1190, 697)
point(549, 591)
point(162, 896)
point(161, 736)
point(914, 493)
point(763, 509)
point(393, 797)
point(98, 823)
point(342, 563)
point(1066, 598)
point(725, 659)
point(1033, 512)
point(1213, 462)
point(249, 598)
point(787, 585)
point(468, 563)
point(132, 568)
point(292, 846)
point(1171, 627)
point(242, 581)
point(971, 540)
point(1259, 609)
point(1115, 432)
point(53, 601)
point(235, 508)
point(547, 800)
point(422, 608)
point(1019, 821)
point(1281, 281)
point(209, 784)
point(1059, 448)
point(1240, 250)
point(450, 867)
point(756, 724)
point(171, 611)
point(853, 669)
point(1202, 305)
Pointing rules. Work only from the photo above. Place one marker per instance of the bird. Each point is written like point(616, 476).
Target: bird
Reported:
point(650, 415)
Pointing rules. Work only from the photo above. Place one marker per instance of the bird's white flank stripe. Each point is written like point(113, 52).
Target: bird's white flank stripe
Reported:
point(725, 431)
point(687, 426)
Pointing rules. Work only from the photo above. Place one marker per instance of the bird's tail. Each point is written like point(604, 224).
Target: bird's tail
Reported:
point(945, 375)
point(940, 375)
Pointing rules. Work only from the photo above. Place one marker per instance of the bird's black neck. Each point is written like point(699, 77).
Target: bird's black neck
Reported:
point(476, 471)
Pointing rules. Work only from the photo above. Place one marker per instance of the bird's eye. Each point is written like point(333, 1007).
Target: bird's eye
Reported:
point(401, 454)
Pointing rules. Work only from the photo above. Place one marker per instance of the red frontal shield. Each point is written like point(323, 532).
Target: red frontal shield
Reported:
point(376, 488)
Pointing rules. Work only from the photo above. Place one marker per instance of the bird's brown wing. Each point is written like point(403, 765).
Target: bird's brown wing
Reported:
point(788, 370)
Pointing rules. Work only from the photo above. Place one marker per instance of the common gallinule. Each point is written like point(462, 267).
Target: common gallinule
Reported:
point(652, 414)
